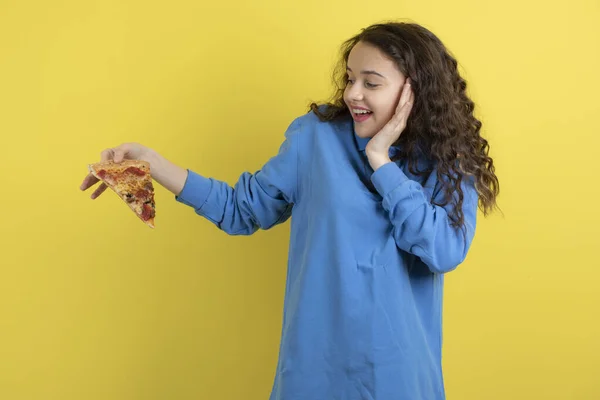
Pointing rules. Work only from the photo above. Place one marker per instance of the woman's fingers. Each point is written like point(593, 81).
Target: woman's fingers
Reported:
point(107, 155)
point(405, 96)
point(89, 181)
point(120, 153)
point(99, 191)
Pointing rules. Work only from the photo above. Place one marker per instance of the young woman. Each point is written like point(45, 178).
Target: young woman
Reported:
point(382, 186)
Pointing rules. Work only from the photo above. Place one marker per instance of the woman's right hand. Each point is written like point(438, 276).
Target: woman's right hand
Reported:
point(164, 172)
point(126, 151)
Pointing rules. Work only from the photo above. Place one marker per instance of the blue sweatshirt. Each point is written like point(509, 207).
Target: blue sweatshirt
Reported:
point(368, 250)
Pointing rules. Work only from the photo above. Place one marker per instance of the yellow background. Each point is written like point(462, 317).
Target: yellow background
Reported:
point(94, 305)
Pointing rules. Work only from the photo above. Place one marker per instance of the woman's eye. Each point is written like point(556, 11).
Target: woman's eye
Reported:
point(368, 85)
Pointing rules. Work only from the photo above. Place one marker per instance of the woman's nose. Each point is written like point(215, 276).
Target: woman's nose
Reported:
point(355, 93)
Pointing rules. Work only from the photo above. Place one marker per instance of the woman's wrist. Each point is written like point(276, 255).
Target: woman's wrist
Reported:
point(378, 160)
point(170, 176)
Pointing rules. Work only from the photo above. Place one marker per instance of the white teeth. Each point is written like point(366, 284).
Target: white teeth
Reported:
point(356, 111)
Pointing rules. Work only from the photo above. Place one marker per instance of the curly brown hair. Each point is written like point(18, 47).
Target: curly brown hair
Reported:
point(441, 126)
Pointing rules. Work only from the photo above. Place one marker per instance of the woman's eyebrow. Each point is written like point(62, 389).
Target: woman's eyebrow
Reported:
point(368, 72)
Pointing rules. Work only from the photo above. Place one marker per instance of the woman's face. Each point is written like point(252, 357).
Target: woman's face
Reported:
point(373, 88)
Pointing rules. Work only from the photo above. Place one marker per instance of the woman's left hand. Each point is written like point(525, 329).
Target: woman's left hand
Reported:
point(378, 148)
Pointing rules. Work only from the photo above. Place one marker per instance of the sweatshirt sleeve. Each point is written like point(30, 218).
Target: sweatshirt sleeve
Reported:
point(422, 228)
point(257, 201)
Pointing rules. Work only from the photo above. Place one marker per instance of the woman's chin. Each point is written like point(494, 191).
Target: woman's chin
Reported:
point(363, 132)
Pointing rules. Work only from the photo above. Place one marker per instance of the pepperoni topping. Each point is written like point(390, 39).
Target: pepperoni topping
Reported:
point(101, 174)
point(142, 194)
point(135, 171)
point(147, 212)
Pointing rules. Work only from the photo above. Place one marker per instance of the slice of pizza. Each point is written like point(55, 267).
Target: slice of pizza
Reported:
point(132, 182)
